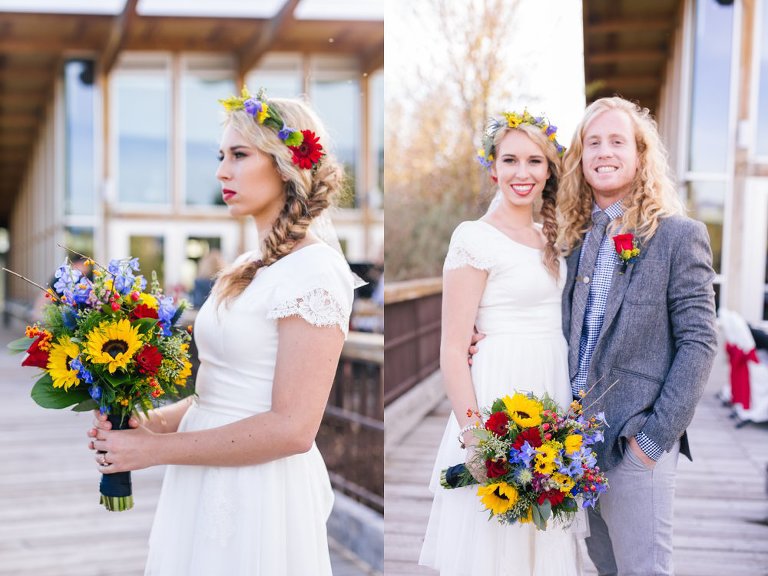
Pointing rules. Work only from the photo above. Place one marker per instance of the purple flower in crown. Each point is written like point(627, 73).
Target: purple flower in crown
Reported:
point(290, 136)
point(252, 106)
point(551, 129)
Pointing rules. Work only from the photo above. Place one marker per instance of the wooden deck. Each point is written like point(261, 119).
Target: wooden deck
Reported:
point(51, 523)
point(721, 507)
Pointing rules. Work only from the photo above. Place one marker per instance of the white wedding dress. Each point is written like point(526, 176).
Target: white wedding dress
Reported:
point(267, 519)
point(524, 350)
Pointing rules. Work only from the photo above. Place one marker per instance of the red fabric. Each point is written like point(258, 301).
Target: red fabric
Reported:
point(739, 361)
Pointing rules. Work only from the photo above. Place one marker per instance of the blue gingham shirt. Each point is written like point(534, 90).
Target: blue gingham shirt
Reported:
point(600, 286)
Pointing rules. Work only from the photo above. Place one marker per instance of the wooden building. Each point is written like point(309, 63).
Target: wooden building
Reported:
point(109, 125)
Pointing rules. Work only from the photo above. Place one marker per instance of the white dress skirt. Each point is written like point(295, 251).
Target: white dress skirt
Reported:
point(267, 519)
point(524, 350)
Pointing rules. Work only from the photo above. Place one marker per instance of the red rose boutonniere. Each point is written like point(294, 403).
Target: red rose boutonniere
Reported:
point(627, 249)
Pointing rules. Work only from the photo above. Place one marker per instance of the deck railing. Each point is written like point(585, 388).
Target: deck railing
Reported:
point(411, 333)
point(351, 436)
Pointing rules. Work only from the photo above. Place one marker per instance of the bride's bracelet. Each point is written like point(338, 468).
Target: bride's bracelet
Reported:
point(466, 428)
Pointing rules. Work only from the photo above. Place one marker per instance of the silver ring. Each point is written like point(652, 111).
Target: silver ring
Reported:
point(104, 460)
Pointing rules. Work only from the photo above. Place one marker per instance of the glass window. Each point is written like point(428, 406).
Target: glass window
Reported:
point(762, 87)
point(202, 117)
point(280, 74)
point(375, 197)
point(335, 92)
point(706, 202)
point(79, 239)
point(204, 262)
point(150, 252)
point(80, 197)
point(711, 87)
point(141, 104)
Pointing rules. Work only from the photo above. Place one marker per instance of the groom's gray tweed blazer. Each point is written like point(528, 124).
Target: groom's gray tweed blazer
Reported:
point(657, 341)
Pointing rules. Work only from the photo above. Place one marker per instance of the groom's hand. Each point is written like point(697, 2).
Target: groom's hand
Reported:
point(473, 349)
point(649, 462)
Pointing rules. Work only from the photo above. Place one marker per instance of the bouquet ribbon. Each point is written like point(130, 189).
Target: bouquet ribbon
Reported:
point(116, 490)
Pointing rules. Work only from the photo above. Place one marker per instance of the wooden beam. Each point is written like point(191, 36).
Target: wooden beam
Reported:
point(47, 45)
point(620, 25)
point(373, 60)
point(25, 74)
point(120, 28)
point(262, 42)
point(10, 120)
point(626, 82)
point(624, 56)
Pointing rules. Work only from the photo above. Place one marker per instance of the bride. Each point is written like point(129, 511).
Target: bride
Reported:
point(503, 275)
point(246, 491)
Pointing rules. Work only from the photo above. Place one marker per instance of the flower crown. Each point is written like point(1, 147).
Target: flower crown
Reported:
point(485, 155)
point(305, 145)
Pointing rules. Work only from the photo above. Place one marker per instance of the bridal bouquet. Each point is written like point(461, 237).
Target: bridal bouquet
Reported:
point(537, 459)
point(112, 344)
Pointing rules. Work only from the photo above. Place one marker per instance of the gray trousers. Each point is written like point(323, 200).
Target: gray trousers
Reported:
point(631, 533)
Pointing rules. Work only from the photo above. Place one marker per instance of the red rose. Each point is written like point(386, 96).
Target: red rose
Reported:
point(496, 468)
point(143, 311)
point(623, 242)
point(531, 435)
point(36, 357)
point(148, 360)
point(555, 497)
point(498, 423)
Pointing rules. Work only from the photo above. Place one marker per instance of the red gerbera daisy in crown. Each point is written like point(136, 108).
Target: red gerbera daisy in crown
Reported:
point(309, 152)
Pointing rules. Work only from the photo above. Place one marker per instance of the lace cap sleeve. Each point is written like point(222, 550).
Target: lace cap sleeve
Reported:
point(466, 249)
point(321, 295)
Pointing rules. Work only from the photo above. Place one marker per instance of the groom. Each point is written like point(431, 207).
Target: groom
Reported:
point(640, 326)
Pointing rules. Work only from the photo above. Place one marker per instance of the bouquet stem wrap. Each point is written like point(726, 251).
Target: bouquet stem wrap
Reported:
point(116, 491)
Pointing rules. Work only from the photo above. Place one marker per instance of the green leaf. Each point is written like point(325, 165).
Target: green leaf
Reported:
point(47, 396)
point(86, 405)
point(20, 345)
point(541, 513)
point(540, 524)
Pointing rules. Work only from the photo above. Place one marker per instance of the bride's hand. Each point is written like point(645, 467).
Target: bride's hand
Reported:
point(100, 422)
point(474, 462)
point(125, 450)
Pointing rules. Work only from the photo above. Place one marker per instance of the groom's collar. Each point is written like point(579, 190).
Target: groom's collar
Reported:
point(615, 210)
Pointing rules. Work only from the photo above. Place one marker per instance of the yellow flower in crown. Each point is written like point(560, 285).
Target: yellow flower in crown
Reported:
point(524, 411)
point(499, 497)
point(113, 344)
point(572, 443)
point(513, 119)
point(62, 352)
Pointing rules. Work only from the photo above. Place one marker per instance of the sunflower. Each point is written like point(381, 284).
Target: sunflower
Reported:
point(61, 354)
point(566, 482)
point(186, 372)
point(524, 411)
point(113, 344)
point(545, 458)
point(499, 497)
point(528, 518)
point(572, 443)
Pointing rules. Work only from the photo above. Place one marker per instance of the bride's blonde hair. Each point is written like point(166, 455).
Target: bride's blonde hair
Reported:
point(307, 191)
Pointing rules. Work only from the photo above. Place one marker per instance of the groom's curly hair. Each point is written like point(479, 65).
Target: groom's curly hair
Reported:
point(653, 194)
point(307, 192)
